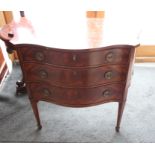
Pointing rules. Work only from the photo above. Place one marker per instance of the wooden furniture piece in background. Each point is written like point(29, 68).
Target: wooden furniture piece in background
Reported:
point(95, 14)
point(6, 17)
point(9, 31)
point(3, 64)
point(20, 84)
point(76, 78)
point(145, 53)
point(3, 67)
point(95, 20)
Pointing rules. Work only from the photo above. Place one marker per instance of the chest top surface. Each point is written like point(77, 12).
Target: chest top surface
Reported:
point(74, 33)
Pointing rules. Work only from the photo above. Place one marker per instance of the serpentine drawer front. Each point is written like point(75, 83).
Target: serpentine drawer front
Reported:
point(74, 58)
point(75, 97)
point(77, 78)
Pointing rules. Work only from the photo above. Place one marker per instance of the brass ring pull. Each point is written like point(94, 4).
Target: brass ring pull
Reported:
point(108, 75)
point(74, 73)
point(106, 93)
point(39, 56)
point(46, 92)
point(74, 57)
point(110, 57)
point(43, 74)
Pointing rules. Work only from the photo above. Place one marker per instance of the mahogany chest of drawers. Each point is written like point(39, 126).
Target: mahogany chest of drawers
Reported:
point(76, 78)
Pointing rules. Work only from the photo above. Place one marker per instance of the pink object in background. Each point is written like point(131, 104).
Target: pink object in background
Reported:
point(9, 31)
point(25, 23)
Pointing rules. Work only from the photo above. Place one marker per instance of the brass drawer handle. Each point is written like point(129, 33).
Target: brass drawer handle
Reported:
point(106, 93)
point(74, 57)
point(108, 75)
point(110, 57)
point(43, 74)
point(46, 92)
point(74, 73)
point(39, 56)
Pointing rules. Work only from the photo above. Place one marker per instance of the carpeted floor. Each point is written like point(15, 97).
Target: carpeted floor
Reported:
point(93, 124)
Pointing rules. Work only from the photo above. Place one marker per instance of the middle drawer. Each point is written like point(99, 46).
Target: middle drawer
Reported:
point(74, 77)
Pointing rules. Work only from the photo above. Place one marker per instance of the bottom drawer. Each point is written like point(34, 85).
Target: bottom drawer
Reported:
point(76, 97)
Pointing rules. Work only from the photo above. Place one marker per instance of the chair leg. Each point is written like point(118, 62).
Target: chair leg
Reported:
point(120, 113)
point(36, 113)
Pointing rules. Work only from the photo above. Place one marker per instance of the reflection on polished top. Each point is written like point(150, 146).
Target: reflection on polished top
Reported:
point(73, 34)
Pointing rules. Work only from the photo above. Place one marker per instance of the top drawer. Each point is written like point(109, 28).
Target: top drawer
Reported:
point(75, 58)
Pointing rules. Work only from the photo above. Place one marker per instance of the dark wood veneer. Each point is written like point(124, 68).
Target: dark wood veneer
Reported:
point(76, 97)
point(74, 58)
point(76, 78)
